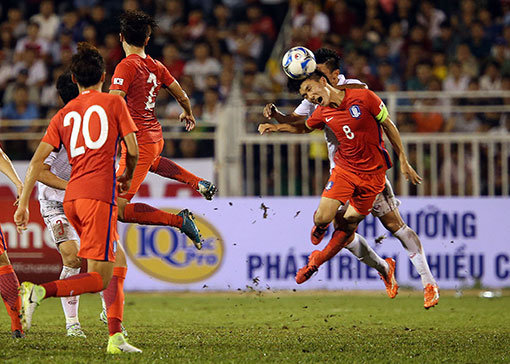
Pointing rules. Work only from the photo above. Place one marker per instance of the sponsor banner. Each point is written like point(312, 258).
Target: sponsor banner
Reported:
point(32, 253)
point(259, 243)
point(154, 186)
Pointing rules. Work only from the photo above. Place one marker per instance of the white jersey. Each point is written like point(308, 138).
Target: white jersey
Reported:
point(59, 166)
point(306, 108)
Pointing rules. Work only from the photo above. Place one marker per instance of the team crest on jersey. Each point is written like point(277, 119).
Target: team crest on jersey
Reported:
point(329, 185)
point(355, 111)
point(118, 81)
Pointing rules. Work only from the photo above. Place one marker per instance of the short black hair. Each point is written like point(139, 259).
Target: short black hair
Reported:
point(294, 85)
point(66, 88)
point(87, 65)
point(328, 57)
point(136, 26)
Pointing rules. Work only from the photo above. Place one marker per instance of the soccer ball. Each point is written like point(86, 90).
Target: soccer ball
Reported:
point(298, 63)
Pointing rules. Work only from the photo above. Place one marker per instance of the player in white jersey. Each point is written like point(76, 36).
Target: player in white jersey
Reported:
point(51, 185)
point(385, 206)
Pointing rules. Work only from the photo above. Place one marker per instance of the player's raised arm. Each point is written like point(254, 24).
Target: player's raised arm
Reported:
point(7, 168)
point(35, 167)
point(393, 135)
point(294, 128)
point(180, 96)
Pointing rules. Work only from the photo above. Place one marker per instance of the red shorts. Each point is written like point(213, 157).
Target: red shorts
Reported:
point(3, 242)
point(148, 156)
point(96, 223)
point(360, 189)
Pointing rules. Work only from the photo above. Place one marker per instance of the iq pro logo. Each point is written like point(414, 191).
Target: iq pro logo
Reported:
point(167, 254)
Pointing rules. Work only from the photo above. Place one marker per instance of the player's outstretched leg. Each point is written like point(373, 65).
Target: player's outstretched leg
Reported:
point(411, 243)
point(386, 268)
point(166, 168)
point(144, 214)
point(32, 294)
point(9, 285)
point(70, 306)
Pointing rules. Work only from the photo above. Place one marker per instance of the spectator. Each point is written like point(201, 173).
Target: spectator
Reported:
point(312, 16)
point(21, 79)
point(37, 71)
point(212, 106)
point(64, 42)
point(427, 121)
point(47, 19)
point(491, 79)
point(244, 44)
point(260, 24)
point(341, 18)
point(422, 77)
point(201, 65)
point(21, 109)
point(456, 80)
point(71, 23)
point(173, 12)
point(480, 47)
point(439, 68)
point(16, 23)
point(469, 62)
point(395, 40)
point(466, 122)
point(196, 24)
point(430, 18)
point(172, 61)
point(7, 43)
point(32, 41)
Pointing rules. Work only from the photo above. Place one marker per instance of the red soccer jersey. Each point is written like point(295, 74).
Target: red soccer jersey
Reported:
point(356, 124)
point(141, 79)
point(89, 127)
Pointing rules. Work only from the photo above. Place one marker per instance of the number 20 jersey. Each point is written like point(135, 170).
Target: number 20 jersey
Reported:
point(356, 124)
point(141, 79)
point(89, 127)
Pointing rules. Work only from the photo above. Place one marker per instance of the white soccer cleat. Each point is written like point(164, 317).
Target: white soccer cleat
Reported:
point(31, 297)
point(118, 344)
point(76, 331)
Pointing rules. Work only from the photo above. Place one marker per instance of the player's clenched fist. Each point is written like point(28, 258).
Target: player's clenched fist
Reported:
point(123, 183)
point(21, 218)
point(269, 111)
point(267, 128)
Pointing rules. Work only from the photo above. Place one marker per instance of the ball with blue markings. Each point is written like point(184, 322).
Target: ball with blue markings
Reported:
point(298, 63)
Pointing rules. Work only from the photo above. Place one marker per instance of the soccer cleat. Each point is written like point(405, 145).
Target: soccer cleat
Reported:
point(31, 297)
point(390, 282)
point(18, 334)
point(190, 228)
point(430, 296)
point(104, 318)
point(76, 331)
point(207, 189)
point(308, 270)
point(318, 233)
point(117, 344)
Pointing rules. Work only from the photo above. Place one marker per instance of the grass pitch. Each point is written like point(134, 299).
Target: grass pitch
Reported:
point(286, 327)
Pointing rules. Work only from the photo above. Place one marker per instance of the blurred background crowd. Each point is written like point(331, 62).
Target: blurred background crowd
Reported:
point(390, 45)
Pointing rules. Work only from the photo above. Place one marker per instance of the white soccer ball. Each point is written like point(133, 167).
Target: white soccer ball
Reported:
point(298, 63)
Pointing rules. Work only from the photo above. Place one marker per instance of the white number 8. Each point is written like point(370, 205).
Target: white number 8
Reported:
point(91, 144)
point(348, 132)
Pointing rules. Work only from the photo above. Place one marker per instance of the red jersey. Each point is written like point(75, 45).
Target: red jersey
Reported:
point(356, 124)
point(141, 79)
point(89, 127)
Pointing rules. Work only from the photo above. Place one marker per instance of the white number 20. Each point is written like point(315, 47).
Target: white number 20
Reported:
point(89, 143)
point(348, 132)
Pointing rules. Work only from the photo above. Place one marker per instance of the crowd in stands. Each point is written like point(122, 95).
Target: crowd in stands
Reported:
point(202, 42)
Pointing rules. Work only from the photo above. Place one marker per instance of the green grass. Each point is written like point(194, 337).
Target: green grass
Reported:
point(287, 327)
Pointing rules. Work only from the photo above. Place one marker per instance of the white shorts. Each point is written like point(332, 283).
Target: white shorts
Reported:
point(385, 201)
point(55, 219)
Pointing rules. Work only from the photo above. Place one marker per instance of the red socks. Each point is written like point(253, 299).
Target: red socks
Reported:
point(167, 168)
point(147, 215)
point(114, 300)
point(338, 241)
point(75, 285)
point(9, 290)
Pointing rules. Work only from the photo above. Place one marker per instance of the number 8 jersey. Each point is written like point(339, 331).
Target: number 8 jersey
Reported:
point(89, 127)
point(356, 124)
point(141, 79)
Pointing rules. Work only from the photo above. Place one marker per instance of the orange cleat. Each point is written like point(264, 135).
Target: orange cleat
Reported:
point(308, 270)
point(430, 296)
point(390, 282)
point(318, 233)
